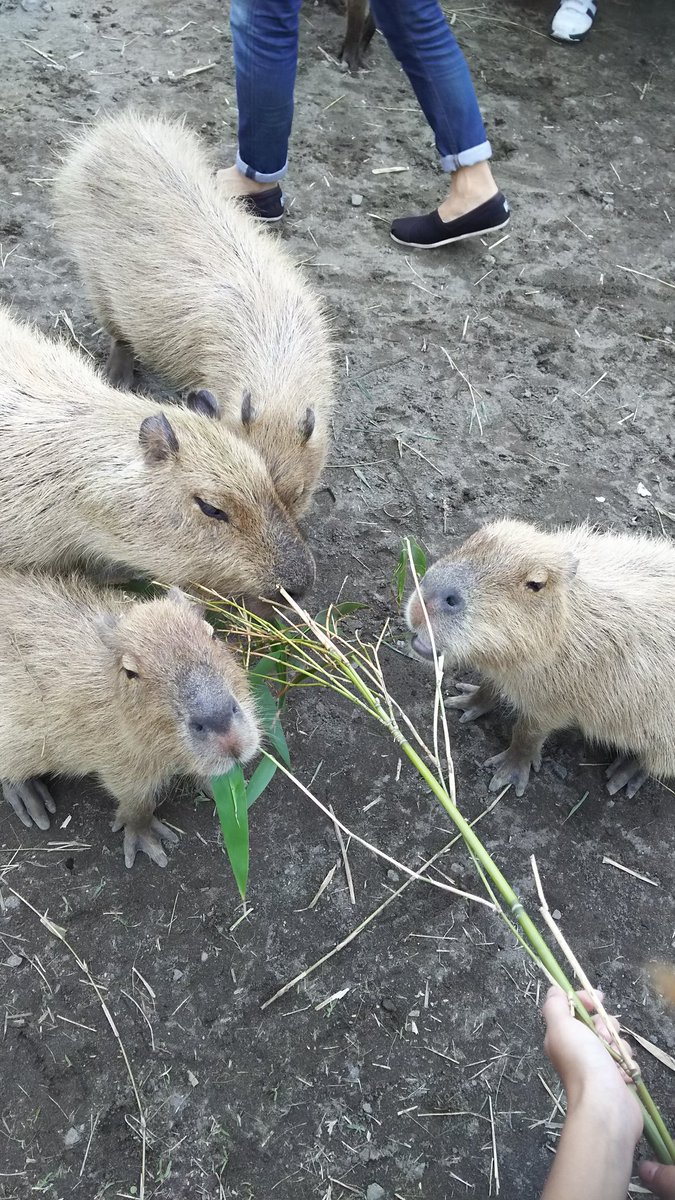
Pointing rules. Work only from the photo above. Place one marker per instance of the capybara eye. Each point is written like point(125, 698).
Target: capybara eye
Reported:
point(535, 585)
point(130, 674)
point(209, 510)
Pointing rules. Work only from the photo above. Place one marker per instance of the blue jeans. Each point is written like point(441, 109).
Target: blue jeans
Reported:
point(265, 36)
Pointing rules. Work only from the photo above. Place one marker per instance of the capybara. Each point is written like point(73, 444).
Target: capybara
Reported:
point(183, 277)
point(573, 628)
point(133, 692)
point(91, 475)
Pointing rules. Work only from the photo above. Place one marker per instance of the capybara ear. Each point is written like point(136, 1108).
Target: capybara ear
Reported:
point(537, 579)
point(247, 410)
point(203, 402)
point(177, 596)
point(157, 439)
point(107, 627)
point(307, 425)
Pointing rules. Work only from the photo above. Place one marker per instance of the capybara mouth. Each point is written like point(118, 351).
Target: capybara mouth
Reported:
point(422, 647)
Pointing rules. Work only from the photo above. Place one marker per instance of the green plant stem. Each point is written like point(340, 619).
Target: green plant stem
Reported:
point(656, 1130)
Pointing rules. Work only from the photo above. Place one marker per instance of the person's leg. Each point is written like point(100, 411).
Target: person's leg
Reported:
point(265, 46)
point(422, 41)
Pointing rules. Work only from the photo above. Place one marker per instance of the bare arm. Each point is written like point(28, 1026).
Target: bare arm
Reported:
point(604, 1121)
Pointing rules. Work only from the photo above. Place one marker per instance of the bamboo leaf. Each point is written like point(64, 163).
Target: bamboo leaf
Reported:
point(259, 780)
point(269, 718)
point(328, 618)
point(400, 580)
point(229, 792)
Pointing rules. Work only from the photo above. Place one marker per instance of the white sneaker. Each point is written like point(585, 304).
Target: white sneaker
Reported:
point(573, 20)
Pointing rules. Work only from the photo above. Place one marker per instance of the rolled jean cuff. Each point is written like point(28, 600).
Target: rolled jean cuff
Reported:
point(466, 158)
point(260, 176)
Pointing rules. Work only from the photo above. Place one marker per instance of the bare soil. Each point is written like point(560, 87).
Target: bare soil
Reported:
point(557, 405)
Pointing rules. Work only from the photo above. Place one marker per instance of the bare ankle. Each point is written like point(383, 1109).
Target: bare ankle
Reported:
point(238, 184)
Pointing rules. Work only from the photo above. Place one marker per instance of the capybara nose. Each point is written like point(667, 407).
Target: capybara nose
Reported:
point(302, 577)
point(217, 719)
point(452, 599)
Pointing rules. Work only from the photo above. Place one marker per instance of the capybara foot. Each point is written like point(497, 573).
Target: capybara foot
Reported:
point(513, 767)
point(627, 772)
point(32, 802)
point(474, 700)
point(148, 840)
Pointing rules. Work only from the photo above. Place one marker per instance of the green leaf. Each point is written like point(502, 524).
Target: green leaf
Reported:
point(269, 718)
point(259, 780)
point(328, 618)
point(419, 558)
point(229, 792)
point(401, 575)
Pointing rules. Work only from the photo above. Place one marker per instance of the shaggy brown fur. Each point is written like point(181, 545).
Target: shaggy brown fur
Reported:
point(91, 474)
point(573, 628)
point(133, 692)
point(202, 293)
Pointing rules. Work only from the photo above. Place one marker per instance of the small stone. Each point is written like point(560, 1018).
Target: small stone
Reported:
point(667, 329)
point(556, 914)
point(192, 1079)
point(14, 960)
point(388, 1005)
point(393, 876)
point(177, 974)
point(367, 1108)
point(357, 200)
point(72, 1137)
point(642, 490)
point(154, 78)
point(204, 956)
point(375, 1192)
point(600, 499)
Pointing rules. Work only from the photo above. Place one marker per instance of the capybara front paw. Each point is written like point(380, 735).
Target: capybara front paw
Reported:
point(627, 772)
point(474, 700)
point(32, 802)
point(148, 841)
point(513, 768)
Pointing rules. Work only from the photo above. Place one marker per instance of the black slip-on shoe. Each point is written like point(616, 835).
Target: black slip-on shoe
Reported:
point(268, 205)
point(430, 231)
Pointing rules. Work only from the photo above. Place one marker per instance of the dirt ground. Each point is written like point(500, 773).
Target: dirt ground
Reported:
point(568, 416)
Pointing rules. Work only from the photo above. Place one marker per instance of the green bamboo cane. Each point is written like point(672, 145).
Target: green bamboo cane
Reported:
point(655, 1127)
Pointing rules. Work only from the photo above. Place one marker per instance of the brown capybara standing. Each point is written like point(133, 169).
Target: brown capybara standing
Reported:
point(572, 628)
point(133, 692)
point(91, 475)
point(186, 279)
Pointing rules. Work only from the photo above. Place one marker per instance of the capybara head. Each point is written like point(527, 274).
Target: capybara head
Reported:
point(215, 518)
point(499, 600)
point(292, 445)
point(173, 675)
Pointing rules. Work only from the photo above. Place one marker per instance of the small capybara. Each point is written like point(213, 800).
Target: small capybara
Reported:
point(91, 475)
point(133, 692)
point(185, 278)
point(573, 628)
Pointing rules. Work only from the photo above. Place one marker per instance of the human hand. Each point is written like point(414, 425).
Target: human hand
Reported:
point(587, 1072)
point(660, 1180)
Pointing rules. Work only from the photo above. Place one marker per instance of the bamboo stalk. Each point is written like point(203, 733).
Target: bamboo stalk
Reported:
point(374, 699)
